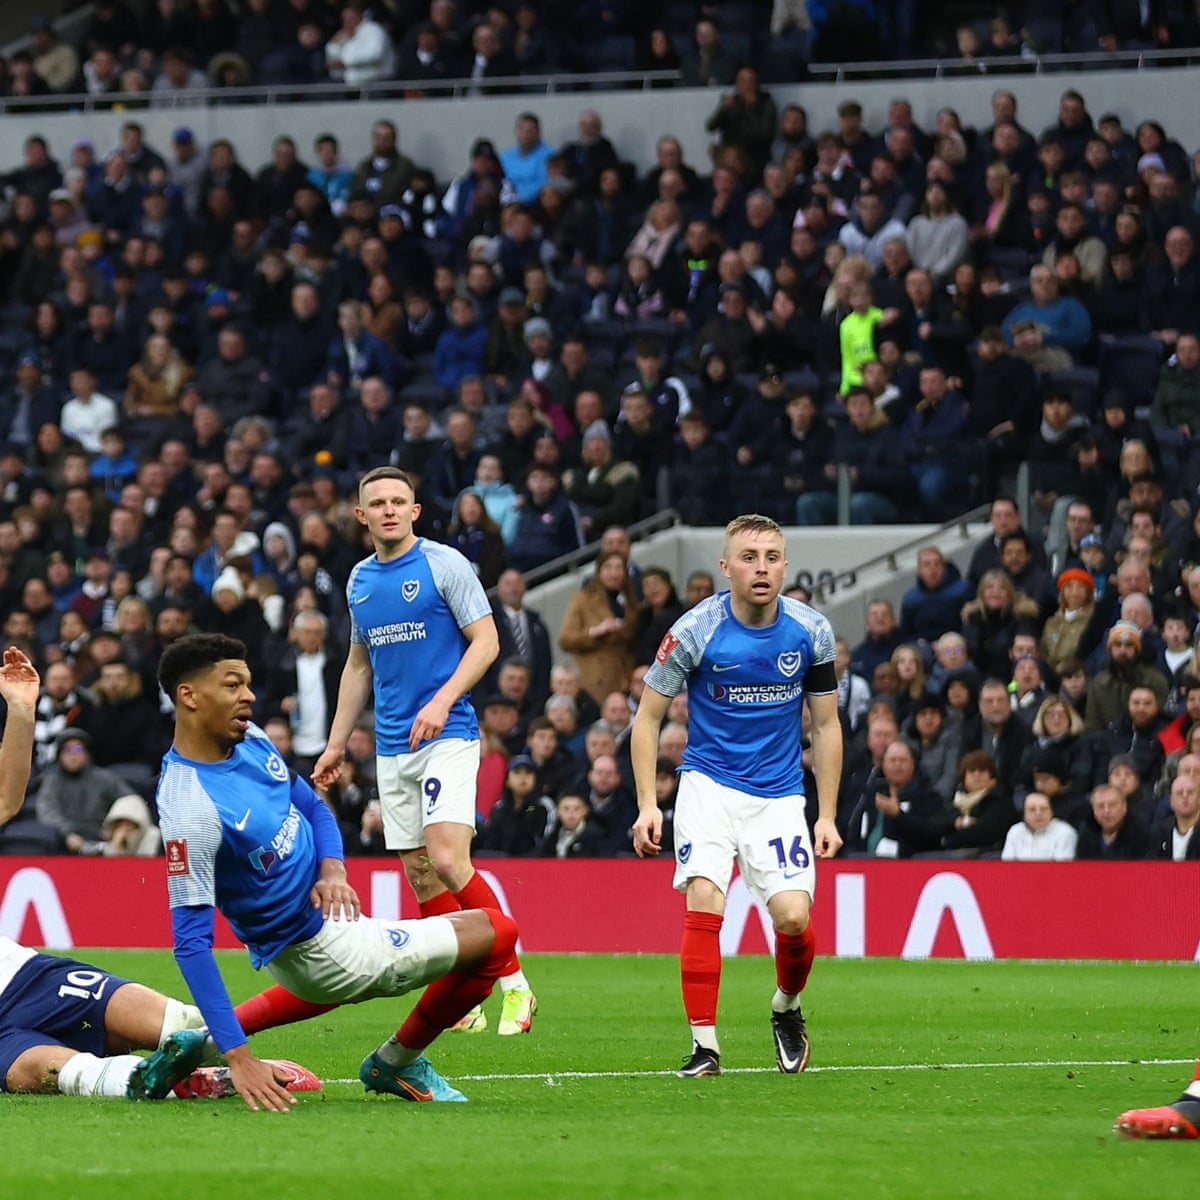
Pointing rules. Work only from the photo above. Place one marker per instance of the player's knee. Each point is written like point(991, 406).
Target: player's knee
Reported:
point(31, 1074)
point(451, 867)
point(704, 896)
point(418, 867)
point(791, 916)
point(505, 929)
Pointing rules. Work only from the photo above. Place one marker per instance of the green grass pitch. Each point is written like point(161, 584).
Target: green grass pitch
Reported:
point(585, 1107)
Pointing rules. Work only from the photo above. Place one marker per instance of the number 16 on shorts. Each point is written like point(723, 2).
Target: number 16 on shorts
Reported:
point(796, 856)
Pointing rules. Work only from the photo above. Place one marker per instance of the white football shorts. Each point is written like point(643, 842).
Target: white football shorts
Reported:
point(716, 826)
point(347, 961)
point(435, 783)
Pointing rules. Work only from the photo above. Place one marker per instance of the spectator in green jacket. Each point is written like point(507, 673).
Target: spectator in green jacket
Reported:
point(1177, 397)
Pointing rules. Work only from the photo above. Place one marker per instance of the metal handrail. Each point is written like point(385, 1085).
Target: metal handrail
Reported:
point(1036, 64)
point(290, 93)
point(827, 582)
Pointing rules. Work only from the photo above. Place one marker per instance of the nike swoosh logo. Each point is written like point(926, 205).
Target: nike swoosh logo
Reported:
point(790, 1061)
point(360, 599)
point(730, 667)
point(240, 825)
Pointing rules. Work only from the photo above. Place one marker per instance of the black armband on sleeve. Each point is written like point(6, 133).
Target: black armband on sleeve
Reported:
point(820, 679)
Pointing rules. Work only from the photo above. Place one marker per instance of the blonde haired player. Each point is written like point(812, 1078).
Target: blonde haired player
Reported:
point(749, 659)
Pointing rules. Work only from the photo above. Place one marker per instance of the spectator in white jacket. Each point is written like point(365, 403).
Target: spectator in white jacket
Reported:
point(361, 51)
point(1041, 837)
point(88, 413)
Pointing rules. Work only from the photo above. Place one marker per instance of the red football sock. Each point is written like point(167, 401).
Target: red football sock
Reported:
point(439, 905)
point(477, 893)
point(276, 1006)
point(453, 996)
point(794, 953)
point(700, 966)
point(1196, 1077)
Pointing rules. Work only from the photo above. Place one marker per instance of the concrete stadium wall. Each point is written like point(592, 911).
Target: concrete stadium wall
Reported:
point(438, 133)
point(682, 550)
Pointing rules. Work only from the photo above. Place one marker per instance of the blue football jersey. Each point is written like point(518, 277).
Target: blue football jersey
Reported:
point(410, 614)
point(745, 690)
point(236, 841)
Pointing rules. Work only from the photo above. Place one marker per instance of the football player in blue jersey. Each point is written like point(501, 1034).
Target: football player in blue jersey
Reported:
point(750, 661)
point(67, 1026)
point(246, 836)
point(422, 635)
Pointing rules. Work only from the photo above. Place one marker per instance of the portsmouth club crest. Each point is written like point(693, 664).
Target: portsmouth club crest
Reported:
point(276, 767)
point(684, 852)
point(789, 663)
point(409, 589)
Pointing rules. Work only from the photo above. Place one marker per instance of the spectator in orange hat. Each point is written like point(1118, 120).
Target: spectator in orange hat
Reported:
point(1064, 628)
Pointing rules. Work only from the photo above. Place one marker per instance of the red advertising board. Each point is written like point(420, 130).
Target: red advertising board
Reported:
point(864, 907)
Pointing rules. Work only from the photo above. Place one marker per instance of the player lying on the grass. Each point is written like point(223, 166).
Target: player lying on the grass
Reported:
point(749, 661)
point(1179, 1120)
point(67, 1026)
point(246, 836)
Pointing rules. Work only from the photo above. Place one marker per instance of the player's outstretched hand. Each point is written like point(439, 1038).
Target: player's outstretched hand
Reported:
point(327, 768)
point(826, 839)
point(19, 680)
point(333, 895)
point(647, 832)
point(258, 1083)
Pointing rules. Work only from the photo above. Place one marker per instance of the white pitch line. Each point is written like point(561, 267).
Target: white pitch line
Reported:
point(953, 1066)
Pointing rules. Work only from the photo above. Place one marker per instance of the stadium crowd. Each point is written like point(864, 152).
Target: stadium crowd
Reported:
point(174, 48)
point(200, 357)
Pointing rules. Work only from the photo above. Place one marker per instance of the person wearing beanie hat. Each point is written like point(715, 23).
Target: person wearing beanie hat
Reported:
point(1077, 575)
point(75, 795)
point(605, 489)
point(1064, 628)
point(523, 815)
point(597, 429)
point(1108, 693)
point(1123, 630)
point(937, 745)
point(279, 550)
point(229, 582)
point(1050, 772)
point(239, 616)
